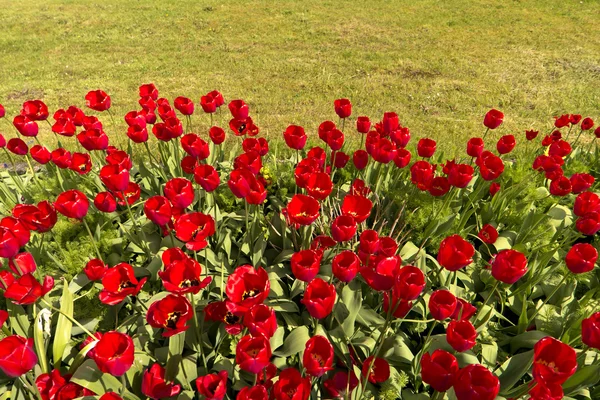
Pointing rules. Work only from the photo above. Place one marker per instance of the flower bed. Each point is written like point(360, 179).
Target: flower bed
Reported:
point(210, 266)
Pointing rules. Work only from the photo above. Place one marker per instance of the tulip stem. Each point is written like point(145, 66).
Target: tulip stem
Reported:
point(494, 288)
point(31, 388)
point(198, 330)
point(72, 320)
point(139, 228)
point(537, 311)
point(87, 227)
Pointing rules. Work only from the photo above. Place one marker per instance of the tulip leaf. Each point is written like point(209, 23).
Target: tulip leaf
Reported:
point(186, 395)
point(89, 376)
point(176, 345)
point(352, 300)
point(40, 340)
point(294, 342)
point(62, 334)
point(513, 369)
point(585, 377)
point(19, 322)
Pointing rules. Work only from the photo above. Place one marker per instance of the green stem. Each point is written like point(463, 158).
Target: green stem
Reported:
point(556, 289)
point(87, 227)
point(496, 284)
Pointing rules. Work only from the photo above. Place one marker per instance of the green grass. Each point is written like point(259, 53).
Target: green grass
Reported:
point(439, 64)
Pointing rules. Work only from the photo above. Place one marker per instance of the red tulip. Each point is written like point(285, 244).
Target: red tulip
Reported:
point(19, 231)
point(290, 386)
point(461, 335)
point(303, 210)
point(586, 202)
point(238, 109)
point(493, 119)
point(115, 178)
point(114, 353)
point(295, 137)
point(17, 146)
point(207, 177)
point(26, 126)
point(360, 158)
point(27, 290)
point(343, 108)
point(381, 275)
point(463, 311)
point(318, 356)
point(357, 207)
point(343, 228)
point(475, 147)
point(306, 264)
point(460, 175)
point(378, 370)
point(409, 283)
point(97, 100)
point(105, 202)
point(183, 276)
point(260, 320)
point(319, 298)
point(158, 210)
point(81, 163)
point(581, 258)
point(476, 382)
point(319, 185)
point(494, 188)
point(531, 134)
point(363, 124)
point(587, 124)
point(40, 154)
point(509, 266)
point(383, 151)
point(72, 204)
point(579, 182)
point(119, 282)
point(345, 265)
point(438, 369)
point(93, 139)
point(542, 391)
point(171, 313)
point(439, 186)
point(35, 110)
point(180, 192)
point(61, 158)
point(247, 286)
point(9, 244)
point(455, 253)
point(490, 166)
point(589, 223)
point(17, 356)
point(488, 234)
point(506, 144)
point(402, 158)
point(559, 148)
point(258, 392)
point(421, 174)
point(553, 361)
point(155, 386)
point(41, 218)
point(95, 269)
point(426, 147)
point(590, 331)
point(250, 160)
point(390, 122)
point(148, 90)
point(442, 304)
point(213, 386)
point(22, 264)
point(195, 146)
point(252, 354)
point(193, 229)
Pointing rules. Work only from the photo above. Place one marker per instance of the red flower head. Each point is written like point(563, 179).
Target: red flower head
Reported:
point(260, 146)
point(560, 148)
point(249, 160)
point(258, 392)
point(207, 177)
point(493, 119)
point(382, 275)
point(95, 269)
point(586, 202)
point(509, 266)
point(553, 361)
point(506, 144)
point(295, 137)
point(114, 177)
point(363, 124)
point(383, 151)
point(213, 386)
point(319, 185)
point(590, 331)
point(2, 111)
point(343, 108)
point(184, 105)
point(114, 353)
point(306, 264)
point(40, 154)
point(461, 335)
point(589, 223)
point(455, 253)
point(291, 386)
point(318, 356)
point(18, 230)
point(360, 158)
point(345, 265)
point(541, 391)
point(442, 304)
point(41, 218)
point(357, 207)
point(137, 133)
point(490, 166)
point(180, 192)
point(341, 384)
point(426, 147)
point(61, 158)
point(390, 122)
point(119, 282)
point(421, 174)
point(579, 182)
point(560, 186)
point(17, 146)
point(248, 286)
point(97, 100)
point(22, 263)
point(188, 164)
point(378, 370)
point(587, 124)
point(319, 298)
point(464, 310)
point(343, 228)
point(581, 258)
point(17, 356)
point(562, 121)
point(303, 210)
point(195, 146)
point(340, 159)
point(531, 134)
point(148, 90)
point(488, 234)
point(574, 119)
point(55, 386)
point(260, 320)
point(194, 228)
point(27, 290)
point(240, 182)
point(438, 369)
point(359, 188)
point(93, 139)
point(9, 244)
point(476, 382)
point(239, 109)
point(105, 202)
point(171, 313)
point(439, 186)
point(72, 204)
point(81, 163)
point(35, 110)
point(475, 147)
point(252, 354)
point(460, 175)
point(183, 275)
point(155, 386)
point(409, 283)
point(131, 194)
point(25, 126)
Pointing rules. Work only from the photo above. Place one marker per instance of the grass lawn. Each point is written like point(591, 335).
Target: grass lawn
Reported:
point(439, 64)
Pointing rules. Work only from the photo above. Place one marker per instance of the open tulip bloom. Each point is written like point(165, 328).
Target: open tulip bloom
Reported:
point(179, 252)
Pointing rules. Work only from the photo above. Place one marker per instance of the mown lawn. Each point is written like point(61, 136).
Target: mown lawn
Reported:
point(440, 64)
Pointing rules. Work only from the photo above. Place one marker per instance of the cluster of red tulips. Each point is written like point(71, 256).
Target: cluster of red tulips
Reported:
point(323, 293)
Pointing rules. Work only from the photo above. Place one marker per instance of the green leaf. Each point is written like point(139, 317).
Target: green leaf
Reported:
point(585, 377)
point(89, 376)
point(176, 344)
point(62, 334)
point(19, 321)
point(295, 342)
point(352, 300)
point(513, 369)
point(283, 305)
point(526, 340)
point(40, 341)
